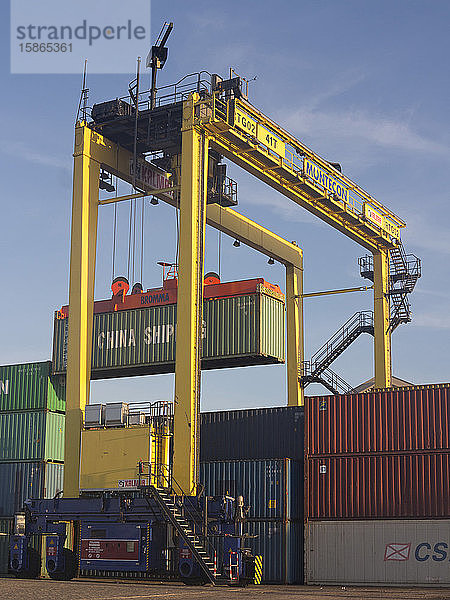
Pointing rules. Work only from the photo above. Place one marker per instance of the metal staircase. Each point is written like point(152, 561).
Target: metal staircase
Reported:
point(175, 516)
point(404, 271)
point(316, 370)
point(329, 379)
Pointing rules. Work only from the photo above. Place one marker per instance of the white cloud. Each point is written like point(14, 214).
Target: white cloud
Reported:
point(432, 320)
point(381, 130)
point(23, 151)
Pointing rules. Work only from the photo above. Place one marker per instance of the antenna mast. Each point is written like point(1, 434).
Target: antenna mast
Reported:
point(157, 57)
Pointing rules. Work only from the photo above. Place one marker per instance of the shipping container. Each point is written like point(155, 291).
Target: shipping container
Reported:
point(5, 530)
point(279, 543)
point(252, 434)
point(393, 552)
point(378, 486)
point(21, 481)
point(273, 489)
point(31, 386)
point(395, 420)
point(237, 331)
point(36, 435)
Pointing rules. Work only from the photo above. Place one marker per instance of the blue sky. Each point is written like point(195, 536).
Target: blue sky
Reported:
point(363, 83)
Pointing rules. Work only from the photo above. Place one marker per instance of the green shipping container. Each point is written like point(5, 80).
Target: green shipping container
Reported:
point(31, 386)
point(237, 331)
point(31, 435)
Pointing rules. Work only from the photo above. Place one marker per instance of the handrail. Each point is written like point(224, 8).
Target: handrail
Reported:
point(192, 515)
point(356, 321)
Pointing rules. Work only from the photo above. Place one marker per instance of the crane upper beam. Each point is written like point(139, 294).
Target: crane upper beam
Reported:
point(257, 144)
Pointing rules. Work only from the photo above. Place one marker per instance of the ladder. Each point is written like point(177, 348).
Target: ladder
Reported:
point(404, 271)
point(174, 515)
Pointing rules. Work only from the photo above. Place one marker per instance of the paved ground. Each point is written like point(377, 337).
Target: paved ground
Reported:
point(22, 589)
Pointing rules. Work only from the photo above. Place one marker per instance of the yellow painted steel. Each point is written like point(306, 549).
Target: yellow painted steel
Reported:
point(93, 151)
point(194, 148)
point(109, 455)
point(161, 469)
point(294, 334)
point(229, 132)
point(363, 288)
point(381, 316)
point(254, 235)
point(81, 300)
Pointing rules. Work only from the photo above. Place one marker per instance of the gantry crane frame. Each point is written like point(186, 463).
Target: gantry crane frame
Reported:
point(248, 138)
point(93, 152)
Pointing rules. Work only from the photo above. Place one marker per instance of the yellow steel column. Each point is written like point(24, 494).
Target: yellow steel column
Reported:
point(194, 162)
point(382, 342)
point(81, 301)
point(294, 334)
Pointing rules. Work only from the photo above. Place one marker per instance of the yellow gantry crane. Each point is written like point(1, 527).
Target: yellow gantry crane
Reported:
point(211, 118)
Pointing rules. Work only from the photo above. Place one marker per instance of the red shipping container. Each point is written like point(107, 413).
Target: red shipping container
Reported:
point(395, 420)
point(378, 486)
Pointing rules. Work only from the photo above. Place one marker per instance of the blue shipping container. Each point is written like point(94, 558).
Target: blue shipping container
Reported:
point(280, 543)
point(252, 434)
point(273, 489)
point(20, 481)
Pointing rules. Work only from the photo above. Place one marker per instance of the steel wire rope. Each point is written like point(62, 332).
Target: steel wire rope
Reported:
point(115, 222)
point(142, 239)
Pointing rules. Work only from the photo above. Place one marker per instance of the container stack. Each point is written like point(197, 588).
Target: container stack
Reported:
point(258, 454)
point(377, 487)
point(32, 405)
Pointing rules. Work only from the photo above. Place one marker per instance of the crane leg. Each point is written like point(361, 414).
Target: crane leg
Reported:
point(194, 161)
point(294, 334)
point(382, 334)
point(81, 301)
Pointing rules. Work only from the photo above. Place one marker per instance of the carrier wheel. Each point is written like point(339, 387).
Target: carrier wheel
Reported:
point(70, 567)
point(34, 566)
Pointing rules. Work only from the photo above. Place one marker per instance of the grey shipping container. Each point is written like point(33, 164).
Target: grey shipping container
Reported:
point(273, 489)
point(238, 331)
point(5, 529)
point(20, 481)
point(31, 386)
point(31, 435)
point(395, 552)
point(252, 434)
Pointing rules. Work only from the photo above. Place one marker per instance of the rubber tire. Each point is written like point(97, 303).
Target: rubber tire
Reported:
point(70, 567)
point(34, 568)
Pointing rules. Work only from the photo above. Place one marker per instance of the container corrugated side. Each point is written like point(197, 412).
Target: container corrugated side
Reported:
point(33, 435)
point(30, 387)
point(392, 552)
point(142, 341)
point(280, 543)
point(273, 489)
point(5, 530)
point(20, 481)
point(393, 420)
point(380, 486)
point(252, 434)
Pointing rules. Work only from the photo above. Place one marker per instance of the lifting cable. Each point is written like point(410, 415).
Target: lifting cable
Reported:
point(142, 240)
point(114, 235)
point(115, 222)
point(132, 223)
point(219, 249)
